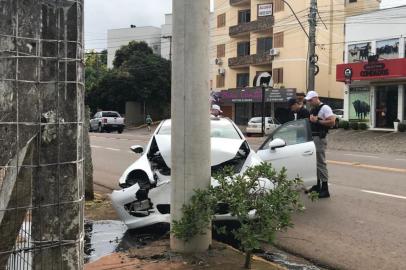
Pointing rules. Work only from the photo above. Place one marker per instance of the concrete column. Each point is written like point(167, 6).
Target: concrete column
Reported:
point(401, 100)
point(190, 112)
point(346, 107)
point(373, 106)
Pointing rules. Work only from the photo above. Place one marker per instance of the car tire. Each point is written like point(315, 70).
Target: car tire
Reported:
point(336, 124)
point(248, 134)
point(100, 129)
point(119, 131)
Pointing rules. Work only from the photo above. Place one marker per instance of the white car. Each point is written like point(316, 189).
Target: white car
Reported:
point(145, 197)
point(107, 121)
point(255, 125)
point(339, 113)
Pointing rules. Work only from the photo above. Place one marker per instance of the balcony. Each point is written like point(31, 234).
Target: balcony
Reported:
point(262, 24)
point(248, 60)
point(239, 2)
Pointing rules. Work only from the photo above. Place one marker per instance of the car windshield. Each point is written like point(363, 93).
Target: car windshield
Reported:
point(258, 120)
point(110, 114)
point(219, 129)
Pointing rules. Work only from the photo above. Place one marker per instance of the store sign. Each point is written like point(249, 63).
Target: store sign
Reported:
point(255, 95)
point(373, 70)
point(265, 10)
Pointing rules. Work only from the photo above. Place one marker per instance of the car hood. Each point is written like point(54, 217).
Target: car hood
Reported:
point(222, 149)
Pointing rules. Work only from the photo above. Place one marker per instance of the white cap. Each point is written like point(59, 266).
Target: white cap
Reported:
point(311, 94)
point(216, 107)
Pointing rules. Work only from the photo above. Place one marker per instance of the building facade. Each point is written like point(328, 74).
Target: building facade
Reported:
point(374, 71)
point(158, 38)
point(249, 37)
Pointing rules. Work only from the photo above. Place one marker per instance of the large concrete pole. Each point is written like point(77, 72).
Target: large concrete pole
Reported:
point(190, 111)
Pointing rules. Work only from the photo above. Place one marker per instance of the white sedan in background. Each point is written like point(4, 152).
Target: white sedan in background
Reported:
point(145, 197)
point(255, 125)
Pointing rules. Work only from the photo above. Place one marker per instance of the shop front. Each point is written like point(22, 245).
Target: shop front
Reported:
point(374, 91)
point(243, 104)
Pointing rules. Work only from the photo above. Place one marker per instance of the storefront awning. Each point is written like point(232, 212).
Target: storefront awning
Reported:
point(373, 70)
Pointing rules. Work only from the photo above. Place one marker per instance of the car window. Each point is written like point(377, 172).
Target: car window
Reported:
point(338, 112)
point(257, 120)
point(219, 129)
point(292, 133)
point(110, 114)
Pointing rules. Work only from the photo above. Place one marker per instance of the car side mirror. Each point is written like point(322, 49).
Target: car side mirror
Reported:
point(277, 143)
point(138, 149)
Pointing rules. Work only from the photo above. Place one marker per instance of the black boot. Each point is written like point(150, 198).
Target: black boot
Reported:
point(315, 188)
point(324, 191)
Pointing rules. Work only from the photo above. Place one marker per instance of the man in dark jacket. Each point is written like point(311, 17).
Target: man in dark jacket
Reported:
point(298, 111)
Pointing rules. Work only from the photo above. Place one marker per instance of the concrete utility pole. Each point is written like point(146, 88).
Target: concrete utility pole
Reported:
point(190, 112)
point(313, 68)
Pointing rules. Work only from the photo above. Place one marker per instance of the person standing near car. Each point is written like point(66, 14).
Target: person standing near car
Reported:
point(321, 119)
point(148, 121)
point(297, 110)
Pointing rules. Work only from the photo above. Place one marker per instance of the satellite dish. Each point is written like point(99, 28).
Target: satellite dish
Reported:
point(265, 78)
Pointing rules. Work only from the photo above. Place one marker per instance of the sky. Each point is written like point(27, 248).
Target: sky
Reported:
point(101, 15)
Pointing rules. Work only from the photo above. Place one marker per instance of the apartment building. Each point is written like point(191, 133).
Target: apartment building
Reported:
point(249, 37)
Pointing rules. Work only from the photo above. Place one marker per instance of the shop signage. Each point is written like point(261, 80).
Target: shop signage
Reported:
point(373, 70)
point(255, 95)
point(265, 10)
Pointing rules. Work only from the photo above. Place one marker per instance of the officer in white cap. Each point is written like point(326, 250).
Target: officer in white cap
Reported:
point(321, 119)
point(216, 110)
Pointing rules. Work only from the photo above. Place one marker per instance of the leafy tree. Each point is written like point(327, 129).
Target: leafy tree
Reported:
point(261, 199)
point(95, 68)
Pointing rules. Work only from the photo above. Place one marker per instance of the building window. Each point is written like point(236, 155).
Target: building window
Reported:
point(277, 75)
point(279, 5)
point(243, 80)
point(264, 45)
point(359, 52)
point(387, 49)
point(221, 20)
point(353, 1)
point(220, 79)
point(278, 40)
point(221, 50)
point(244, 16)
point(243, 48)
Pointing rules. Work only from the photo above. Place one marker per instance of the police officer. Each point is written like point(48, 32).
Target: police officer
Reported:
point(321, 119)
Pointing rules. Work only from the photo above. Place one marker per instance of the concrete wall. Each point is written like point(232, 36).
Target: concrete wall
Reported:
point(166, 30)
point(120, 37)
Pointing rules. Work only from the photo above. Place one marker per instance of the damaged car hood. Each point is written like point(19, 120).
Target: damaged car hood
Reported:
point(222, 149)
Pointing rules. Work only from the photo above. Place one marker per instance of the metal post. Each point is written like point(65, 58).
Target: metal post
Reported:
point(312, 46)
point(263, 110)
point(190, 112)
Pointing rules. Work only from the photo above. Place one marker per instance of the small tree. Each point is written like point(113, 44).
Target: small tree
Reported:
point(261, 199)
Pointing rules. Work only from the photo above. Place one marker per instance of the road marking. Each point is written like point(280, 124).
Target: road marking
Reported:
point(384, 194)
point(112, 149)
point(105, 148)
point(366, 166)
point(400, 159)
point(95, 146)
point(355, 155)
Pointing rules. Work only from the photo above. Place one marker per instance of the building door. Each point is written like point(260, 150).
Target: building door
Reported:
point(386, 106)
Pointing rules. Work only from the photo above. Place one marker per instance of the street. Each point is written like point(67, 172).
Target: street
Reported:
point(360, 227)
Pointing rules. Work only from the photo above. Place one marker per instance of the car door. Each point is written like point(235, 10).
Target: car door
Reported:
point(94, 121)
point(297, 154)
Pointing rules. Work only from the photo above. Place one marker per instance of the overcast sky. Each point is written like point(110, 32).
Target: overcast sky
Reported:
point(101, 15)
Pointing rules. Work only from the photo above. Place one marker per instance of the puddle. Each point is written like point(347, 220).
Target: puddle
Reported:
point(106, 237)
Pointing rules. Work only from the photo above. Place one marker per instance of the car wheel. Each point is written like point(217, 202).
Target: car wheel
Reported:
point(119, 131)
point(100, 129)
point(336, 124)
point(248, 134)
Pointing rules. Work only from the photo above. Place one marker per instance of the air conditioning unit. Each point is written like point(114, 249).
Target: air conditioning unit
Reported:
point(221, 71)
point(274, 52)
point(218, 61)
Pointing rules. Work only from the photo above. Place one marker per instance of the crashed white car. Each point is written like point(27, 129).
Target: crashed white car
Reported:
point(145, 197)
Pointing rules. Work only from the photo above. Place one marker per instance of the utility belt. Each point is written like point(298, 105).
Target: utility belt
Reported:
point(320, 134)
point(319, 131)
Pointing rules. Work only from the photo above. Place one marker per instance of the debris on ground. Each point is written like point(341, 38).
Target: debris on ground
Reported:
point(157, 256)
point(100, 208)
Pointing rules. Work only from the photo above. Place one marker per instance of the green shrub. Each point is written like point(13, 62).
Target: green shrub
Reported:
point(343, 124)
point(243, 193)
point(354, 125)
point(363, 126)
point(402, 127)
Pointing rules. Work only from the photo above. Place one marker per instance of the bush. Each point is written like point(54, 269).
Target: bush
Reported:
point(274, 203)
point(402, 127)
point(354, 125)
point(363, 126)
point(343, 124)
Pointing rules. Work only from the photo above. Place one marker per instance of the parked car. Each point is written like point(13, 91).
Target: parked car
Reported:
point(339, 116)
point(255, 125)
point(107, 121)
point(145, 195)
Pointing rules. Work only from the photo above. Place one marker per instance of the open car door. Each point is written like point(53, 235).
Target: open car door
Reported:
point(291, 146)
